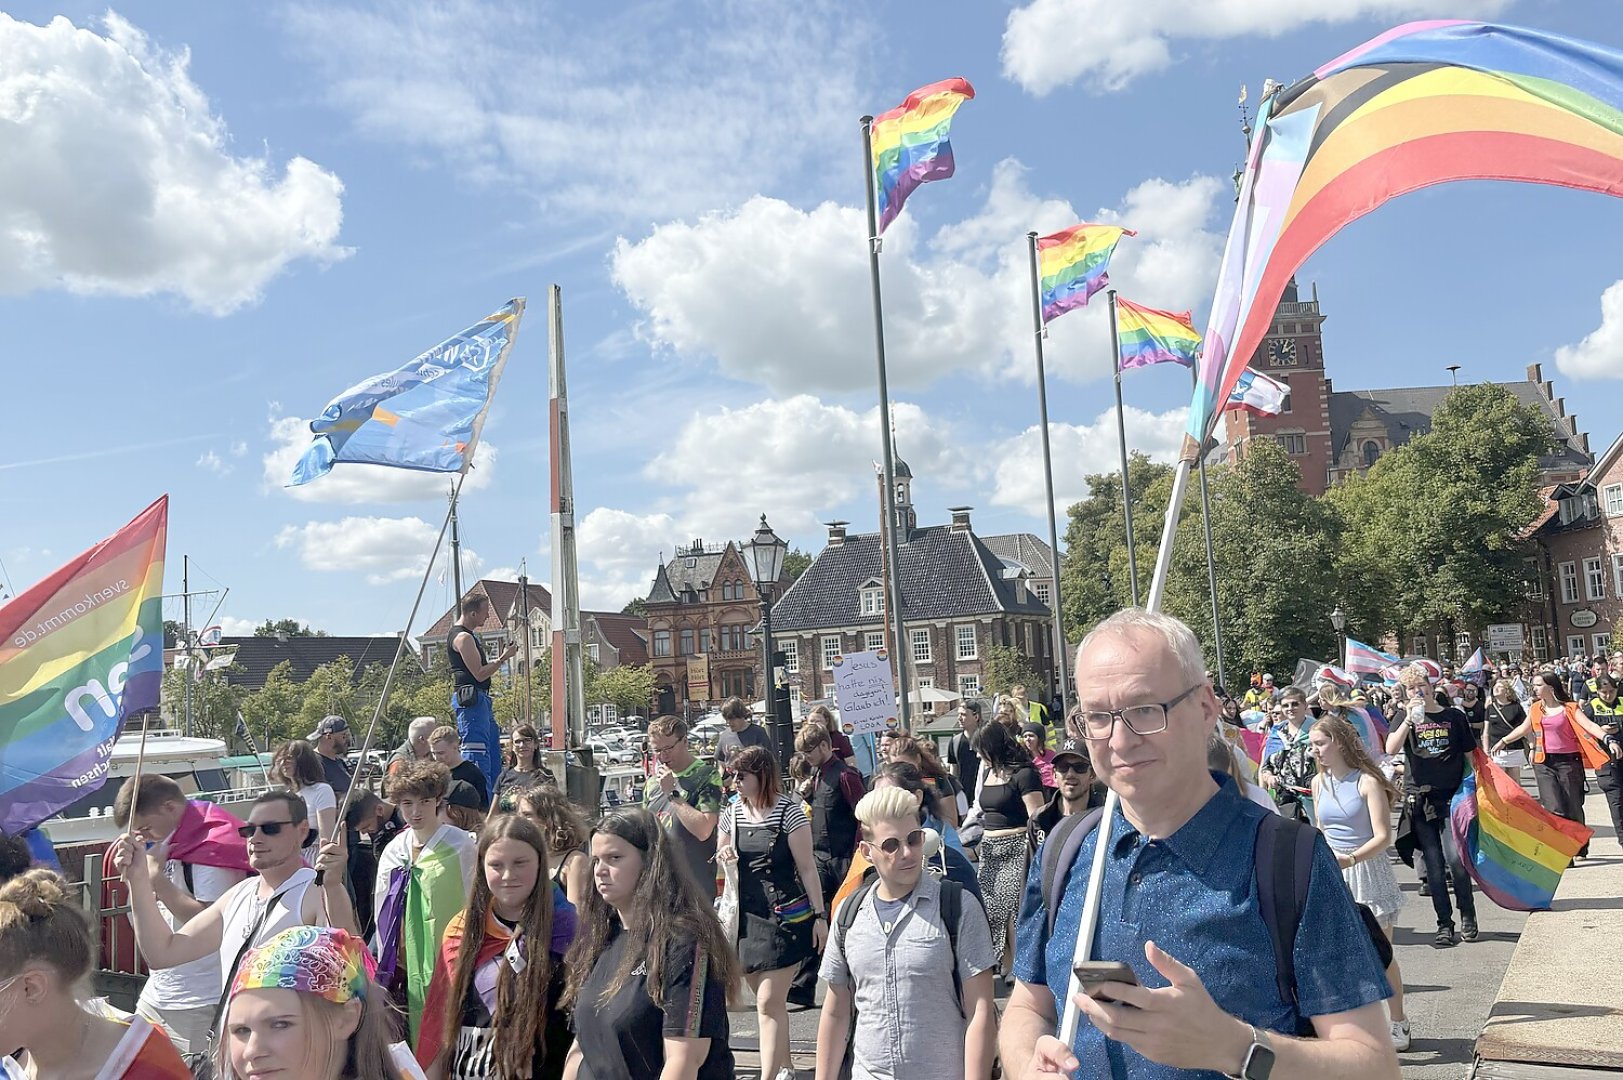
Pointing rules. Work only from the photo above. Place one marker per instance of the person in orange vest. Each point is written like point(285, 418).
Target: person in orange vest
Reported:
point(1565, 743)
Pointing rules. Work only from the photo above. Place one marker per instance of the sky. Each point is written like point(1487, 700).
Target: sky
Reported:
point(216, 217)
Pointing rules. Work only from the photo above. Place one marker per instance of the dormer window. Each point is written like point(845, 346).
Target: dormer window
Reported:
point(873, 599)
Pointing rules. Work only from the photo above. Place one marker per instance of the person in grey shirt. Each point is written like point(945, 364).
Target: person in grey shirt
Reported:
point(741, 731)
point(895, 964)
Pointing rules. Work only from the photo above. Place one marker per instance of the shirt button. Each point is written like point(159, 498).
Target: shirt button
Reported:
point(1135, 878)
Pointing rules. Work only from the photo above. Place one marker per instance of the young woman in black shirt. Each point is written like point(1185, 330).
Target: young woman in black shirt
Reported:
point(650, 973)
point(1010, 792)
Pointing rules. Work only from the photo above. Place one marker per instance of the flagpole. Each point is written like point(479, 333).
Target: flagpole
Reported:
point(888, 551)
point(1211, 562)
point(1060, 647)
point(1121, 438)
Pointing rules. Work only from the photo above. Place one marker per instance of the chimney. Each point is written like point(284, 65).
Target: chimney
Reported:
point(836, 533)
point(960, 518)
point(1571, 423)
point(1535, 373)
point(1583, 441)
point(1560, 404)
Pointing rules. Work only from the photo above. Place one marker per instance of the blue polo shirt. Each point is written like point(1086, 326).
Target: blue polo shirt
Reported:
point(1194, 894)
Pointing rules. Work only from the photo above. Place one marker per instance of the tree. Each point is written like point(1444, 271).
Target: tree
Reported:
point(214, 702)
point(1006, 666)
point(795, 562)
point(636, 606)
point(269, 711)
point(288, 627)
point(1094, 578)
point(1432, 533)
point(1274, 549)
point(629, 688)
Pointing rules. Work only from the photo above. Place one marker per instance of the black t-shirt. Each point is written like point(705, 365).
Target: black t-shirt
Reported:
point(1502, 720)
point(730, 742)
point(1434, 752)
point(623, 1038)
point(1002, 805)
point(965, 762)
point(335, 771)
point(470, 774)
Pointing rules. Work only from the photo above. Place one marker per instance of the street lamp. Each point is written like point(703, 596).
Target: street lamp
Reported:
point(1338, 619)
point(764, 554)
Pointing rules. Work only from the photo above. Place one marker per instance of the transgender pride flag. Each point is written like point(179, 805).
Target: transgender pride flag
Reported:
point(1366, 660)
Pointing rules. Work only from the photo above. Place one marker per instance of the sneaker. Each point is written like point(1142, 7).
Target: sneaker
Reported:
point(1468, 929)
point(1400, 1035)
point(1425, 887)
point(1446, 938)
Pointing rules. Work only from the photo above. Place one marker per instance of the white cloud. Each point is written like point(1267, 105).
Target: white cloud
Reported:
point(1080, 449)
point(634, 112)
point(779, 296)
point(1051, 43)
point(214, 463)
point(384, 550)
point(351, 483)
point(1600, 354)
point(617, 552)
point(231, 626)
point(117, 177)
point(239, 448)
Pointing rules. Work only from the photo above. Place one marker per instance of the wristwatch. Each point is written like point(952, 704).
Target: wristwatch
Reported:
point(1259, 1058)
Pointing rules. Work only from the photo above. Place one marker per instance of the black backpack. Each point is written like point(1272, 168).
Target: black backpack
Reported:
point(1284, 871)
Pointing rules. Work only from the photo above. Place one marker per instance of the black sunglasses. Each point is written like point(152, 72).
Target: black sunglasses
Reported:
point(270, 828)
point(1071, 767)
point(894, 844)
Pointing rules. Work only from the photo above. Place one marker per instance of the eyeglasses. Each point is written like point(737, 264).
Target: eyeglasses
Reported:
point(1140, 719)
point(667, 748)
point(1071, 767)
point(523, 742)
point(914, 839)
point(269, 828)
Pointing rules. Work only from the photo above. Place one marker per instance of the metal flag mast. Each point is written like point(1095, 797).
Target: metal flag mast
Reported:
point(893, 597)
point(568, 671)
point(1121, 438)
point(1039, 331)
point(1211, 561)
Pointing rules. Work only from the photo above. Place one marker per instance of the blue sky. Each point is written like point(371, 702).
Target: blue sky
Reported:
point(219, 216)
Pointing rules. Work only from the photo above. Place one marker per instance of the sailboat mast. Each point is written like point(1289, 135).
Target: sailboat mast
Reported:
point(568, 671)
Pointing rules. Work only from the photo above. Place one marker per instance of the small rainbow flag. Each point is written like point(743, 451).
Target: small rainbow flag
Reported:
point(1146, 336)
point(910, 145)
point(1072, 265)
point(80, 652)
point(1514, 848)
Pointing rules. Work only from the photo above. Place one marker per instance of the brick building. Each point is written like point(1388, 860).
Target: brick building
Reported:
point(1577, 597)
point(608, 637)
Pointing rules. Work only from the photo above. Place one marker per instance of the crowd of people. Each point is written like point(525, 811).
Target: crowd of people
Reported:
point(472, 923)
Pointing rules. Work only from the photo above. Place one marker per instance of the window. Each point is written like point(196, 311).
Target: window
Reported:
point(873, 601)
point(1594, 580)
point(874, 640)
point(1569, 583)
point(1372, 450)
point(790, 648)
point(686, 643)
point(538, 637)
point(591, 651)
point(707, 640)
point(1535, 580)
point(1294, 443)
point(1617, 575)
point(966, 642)
point(794, 699)
point(926, 682)
point(921, 646)
point(738, 684)
point(969, 686)
point(1420, 645)
point(1612, 496)
point(1540, 640)
point(1042, 590)
point(662, 643)
point(1285, 407)
point(831, 649)
point(734, 639)
point(1464, 645)
point(1575, 645)
point(1602, 642)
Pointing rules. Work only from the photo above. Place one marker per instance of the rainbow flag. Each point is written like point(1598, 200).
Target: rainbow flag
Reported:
point(910, 145)
point(80, 652)
point(1514, 848)
point(1146, 336)
point(1073, 263)
point(1422, 104)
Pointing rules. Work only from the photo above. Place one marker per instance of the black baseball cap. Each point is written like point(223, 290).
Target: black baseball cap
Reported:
point(1076, 748)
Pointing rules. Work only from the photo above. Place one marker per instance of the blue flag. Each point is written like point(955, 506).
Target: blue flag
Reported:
point(425, 415)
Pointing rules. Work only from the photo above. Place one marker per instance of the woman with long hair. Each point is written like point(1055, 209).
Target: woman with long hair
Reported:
point(1353, 801)
point(1505, 714)
point(566, 832)
point(44, 950)
point(523, 769)
point(650, 973)
point(304, 1004)
point(492, 1010)
point(1565, 743)
point(1010, 791)
point(943, 790)
point(296, 766)
point(781, 921)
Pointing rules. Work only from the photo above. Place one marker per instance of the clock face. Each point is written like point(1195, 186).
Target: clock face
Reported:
point(1282, 352)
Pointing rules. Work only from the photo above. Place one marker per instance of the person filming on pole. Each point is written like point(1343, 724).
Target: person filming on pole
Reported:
point(471, 672)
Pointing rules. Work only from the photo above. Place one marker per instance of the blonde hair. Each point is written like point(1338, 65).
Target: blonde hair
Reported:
point(445, 733)
point(1345, 736)
point(41, 922)
point(886, 804)
point(1415, 676)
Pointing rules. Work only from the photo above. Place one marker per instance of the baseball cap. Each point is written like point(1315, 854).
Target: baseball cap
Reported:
point(1074, 748)
point(330, 725)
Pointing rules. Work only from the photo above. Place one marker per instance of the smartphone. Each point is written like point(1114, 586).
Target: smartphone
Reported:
point(1092, 973)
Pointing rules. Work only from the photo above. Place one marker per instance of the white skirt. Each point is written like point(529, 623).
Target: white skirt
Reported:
point(1374, 885)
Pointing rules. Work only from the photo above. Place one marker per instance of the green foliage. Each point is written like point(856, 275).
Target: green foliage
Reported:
point(290, 627)
point(636, 606)
point(629, 688)
point(269, 711)
point(1004, 667)
point(214, 702)
point(1094, 575)
point(795, 562)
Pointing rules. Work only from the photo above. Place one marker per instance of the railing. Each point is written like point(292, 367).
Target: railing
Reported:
point(1299, 307)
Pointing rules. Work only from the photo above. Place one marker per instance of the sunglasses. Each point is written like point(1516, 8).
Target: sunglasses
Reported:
point(269, 828)
point(914, 839)
point(1071, 767)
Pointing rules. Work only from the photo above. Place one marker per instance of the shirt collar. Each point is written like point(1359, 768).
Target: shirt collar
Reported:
point(1199, 839)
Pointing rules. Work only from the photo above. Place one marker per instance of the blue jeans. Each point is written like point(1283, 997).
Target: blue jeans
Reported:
point(481, 739)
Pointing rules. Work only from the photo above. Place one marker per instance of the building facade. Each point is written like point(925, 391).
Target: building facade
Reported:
point(608, 638)
point(1576, 599)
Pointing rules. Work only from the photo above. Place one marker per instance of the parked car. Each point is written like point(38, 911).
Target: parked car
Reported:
point(604, 752)
point(710, 728)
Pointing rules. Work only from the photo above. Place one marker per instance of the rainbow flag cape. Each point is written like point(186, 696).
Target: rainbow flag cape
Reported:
point(1073, 264)
point(1514, 848)
point(80, 652)
point(1422, 104)
point(1147, 336)
point(910, 145)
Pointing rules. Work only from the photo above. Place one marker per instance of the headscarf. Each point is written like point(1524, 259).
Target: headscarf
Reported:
point(319, 960)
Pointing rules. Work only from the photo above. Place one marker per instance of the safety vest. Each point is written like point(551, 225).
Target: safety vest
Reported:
point(1607, 716)
point(1589, 750)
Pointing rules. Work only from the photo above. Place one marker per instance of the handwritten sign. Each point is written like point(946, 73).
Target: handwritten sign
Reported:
point(865, 692)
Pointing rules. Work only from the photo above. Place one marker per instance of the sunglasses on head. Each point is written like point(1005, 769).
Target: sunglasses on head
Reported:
point(914, 839)
point(269, 828)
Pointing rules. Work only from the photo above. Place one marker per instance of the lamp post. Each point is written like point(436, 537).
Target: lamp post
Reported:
point(1338, 619)
point(764, 553)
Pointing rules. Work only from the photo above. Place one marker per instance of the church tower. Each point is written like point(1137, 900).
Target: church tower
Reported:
point(1293, 353)
point(906, 520)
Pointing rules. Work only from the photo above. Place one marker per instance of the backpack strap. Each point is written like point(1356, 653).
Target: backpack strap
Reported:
point(848, 910)
point(952, 911)
point(1284, 872)
point(1059, 851)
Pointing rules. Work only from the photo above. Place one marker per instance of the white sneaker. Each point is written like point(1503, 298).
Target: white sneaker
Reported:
point(1400, 1035)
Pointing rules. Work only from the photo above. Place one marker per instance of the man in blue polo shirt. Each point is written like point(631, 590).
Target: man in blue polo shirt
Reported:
point(1180, 905)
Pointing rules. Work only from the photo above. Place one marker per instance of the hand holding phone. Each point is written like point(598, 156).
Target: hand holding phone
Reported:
point(1093, 973)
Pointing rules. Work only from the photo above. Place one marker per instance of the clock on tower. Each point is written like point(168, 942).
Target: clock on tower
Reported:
point(1282, 352)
